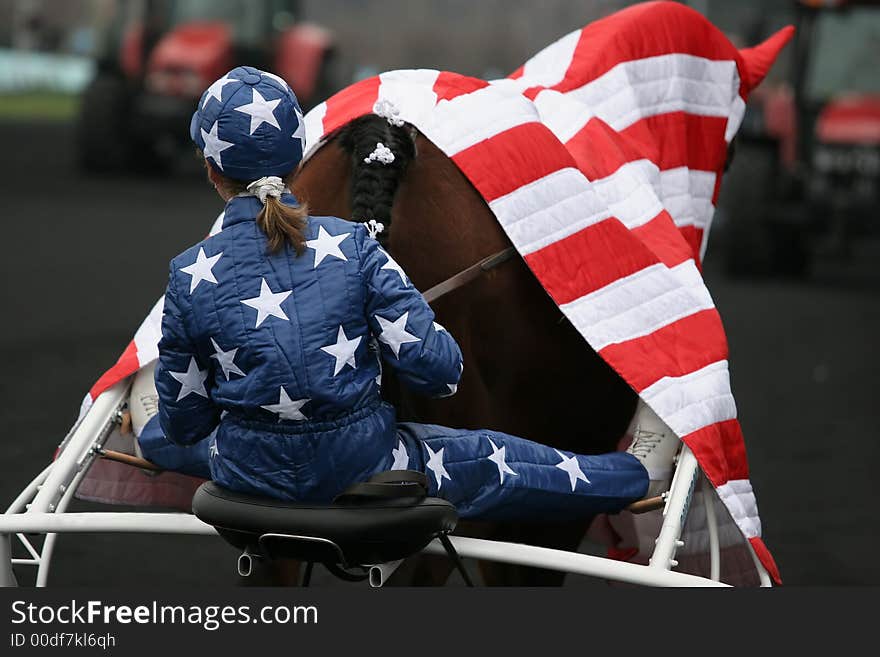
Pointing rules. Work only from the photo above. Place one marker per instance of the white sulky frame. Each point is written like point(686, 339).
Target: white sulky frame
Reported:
point(41, 508)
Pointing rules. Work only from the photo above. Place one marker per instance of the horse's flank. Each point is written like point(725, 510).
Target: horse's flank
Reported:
point(527, 370)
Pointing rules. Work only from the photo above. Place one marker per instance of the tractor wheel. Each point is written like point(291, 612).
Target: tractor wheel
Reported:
point(103, 136)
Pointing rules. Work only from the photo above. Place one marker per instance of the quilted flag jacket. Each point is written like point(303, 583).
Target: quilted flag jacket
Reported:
point(280, 354)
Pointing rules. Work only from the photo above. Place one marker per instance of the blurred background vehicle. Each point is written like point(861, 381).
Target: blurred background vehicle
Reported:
point(805, 184)
point(156, 57)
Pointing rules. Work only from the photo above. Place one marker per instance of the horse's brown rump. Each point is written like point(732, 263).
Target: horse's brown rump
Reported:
point(527, 370)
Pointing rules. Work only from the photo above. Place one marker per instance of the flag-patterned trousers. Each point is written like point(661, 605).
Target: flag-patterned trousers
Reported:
point(486, 474)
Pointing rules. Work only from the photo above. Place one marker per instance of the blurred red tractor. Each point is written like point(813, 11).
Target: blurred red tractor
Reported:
point(806, 176)
point(158, 56)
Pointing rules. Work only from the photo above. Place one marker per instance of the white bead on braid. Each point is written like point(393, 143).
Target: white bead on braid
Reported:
point(374, 228)
point(382, 154)
point(387, 110)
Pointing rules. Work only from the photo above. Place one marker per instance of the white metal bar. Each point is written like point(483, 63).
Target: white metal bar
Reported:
point(570, 562)
point(51, 539)
point(526, 555)
point(676, 510)
point(51, 523)
point(46, 559)
point(42, 559)
point(7, 577)
point(93, 429)
point(763, 575)
point(28, 492)
point(72, 429)
point(19, 504)
point(379, 573)
point(101, 522)
point(27, 546)
point(712, 527)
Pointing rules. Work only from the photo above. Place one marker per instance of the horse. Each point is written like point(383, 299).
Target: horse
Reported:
point(527, 370)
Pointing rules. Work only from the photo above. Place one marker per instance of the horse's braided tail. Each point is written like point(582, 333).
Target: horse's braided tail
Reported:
point(374, 183)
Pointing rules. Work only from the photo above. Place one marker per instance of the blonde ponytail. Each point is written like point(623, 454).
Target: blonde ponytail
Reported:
point(283, 223)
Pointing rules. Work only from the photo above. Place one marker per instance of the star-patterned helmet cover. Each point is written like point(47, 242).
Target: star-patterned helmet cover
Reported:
point(249, 124)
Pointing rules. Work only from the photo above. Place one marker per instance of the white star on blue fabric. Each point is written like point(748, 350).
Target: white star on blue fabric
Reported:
point(343, 351)
point(216, 90)
point(327, 245)
point(453, 387)
point(392, 265)
point(435, 465)
point(260, 110)
point(401, 458)
point(214, 145)
point(570, 465)
point(394, 333)
point(498, 458)
point(268, 303)
point(300, 132)
point(287, 408)
point(200, 270)
point(212, 449)
point(192, 381)
point(226, 360)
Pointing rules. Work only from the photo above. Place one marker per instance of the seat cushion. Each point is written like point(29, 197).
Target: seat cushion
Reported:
point(372, 531)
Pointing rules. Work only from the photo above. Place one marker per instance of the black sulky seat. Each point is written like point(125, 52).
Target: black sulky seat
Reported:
point(385, 519)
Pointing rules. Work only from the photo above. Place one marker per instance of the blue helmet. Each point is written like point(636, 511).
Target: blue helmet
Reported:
point(249, 124)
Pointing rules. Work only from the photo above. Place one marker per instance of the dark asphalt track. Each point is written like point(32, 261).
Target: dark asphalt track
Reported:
point(84, 258)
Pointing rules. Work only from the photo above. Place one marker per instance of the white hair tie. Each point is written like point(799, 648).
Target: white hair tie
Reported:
point(267, 186)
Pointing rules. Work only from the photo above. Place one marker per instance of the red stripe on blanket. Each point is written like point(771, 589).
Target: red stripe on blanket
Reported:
point(529, 152)
point(681, 140)
point(766, 559)
point(665, 240)
point(720, 450)
point(126, 365)
point(356, 100)
point(560, 266)
point(452, 85)
point(621, 38)
point(676, 349)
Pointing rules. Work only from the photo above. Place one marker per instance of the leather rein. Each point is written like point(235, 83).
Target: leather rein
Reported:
point(467, 275)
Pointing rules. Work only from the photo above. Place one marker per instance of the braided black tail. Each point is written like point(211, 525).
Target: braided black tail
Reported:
point(374, 184)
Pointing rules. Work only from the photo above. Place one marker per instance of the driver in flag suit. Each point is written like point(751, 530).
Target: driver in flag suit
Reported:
point(273, 336)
